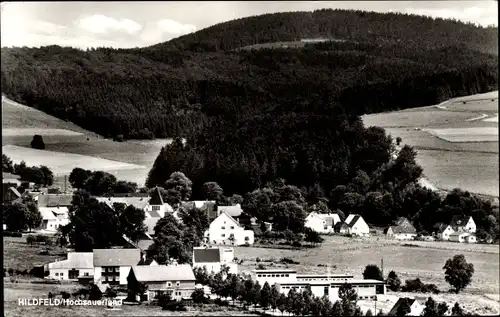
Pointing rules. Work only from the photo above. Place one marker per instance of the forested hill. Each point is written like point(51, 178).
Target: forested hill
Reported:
point(158, 92)
point(338, 24)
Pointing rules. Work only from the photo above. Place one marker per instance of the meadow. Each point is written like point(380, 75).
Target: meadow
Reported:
point(415, 259)
point(456, 141)
point(68, 146)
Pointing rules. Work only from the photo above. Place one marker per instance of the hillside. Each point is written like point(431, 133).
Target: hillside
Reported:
point(362, 26)
point(164, 92)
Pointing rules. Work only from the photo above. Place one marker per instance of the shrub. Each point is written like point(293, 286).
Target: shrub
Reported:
point(261, 267)
point(287, 260)
point(417, 285)
point(65, 295)
point(118, 138)
point(37, 142)
point(11, 271)
point(257, 260)
point(12, 234)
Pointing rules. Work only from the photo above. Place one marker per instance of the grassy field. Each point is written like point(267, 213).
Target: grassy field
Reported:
point(13, 292)
point(17, 254)
point(69, 146)
point(422, 259)
point(453, 151)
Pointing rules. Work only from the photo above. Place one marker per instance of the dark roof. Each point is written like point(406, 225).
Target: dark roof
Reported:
point(233, 211)
point(403, 229)
point(206, 255)
point(441, 227)
point(459, 221)
point(400, 302)
point(15, 191)
point(150, 224)
point(401, 221)
point(160, 273)
point(54, 200)
point(130, 195)
point(146, 262)
point(154, 214)
point(116, 257)
point(341, 224)
point(156, 198)
point(354, 220)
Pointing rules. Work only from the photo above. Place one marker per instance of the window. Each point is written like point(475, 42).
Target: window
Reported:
point(178, 284)
point(326, 291)
point(223, 228)
point(86, 274)
point(106, 278)
point(223, 235)
point(169, 284)
point(156, 208)
point(232, 227)
point(57, 274)
point(286, 275)
point(273, 275)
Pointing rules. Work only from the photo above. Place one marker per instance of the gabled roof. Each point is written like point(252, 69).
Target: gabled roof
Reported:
point(153, 214)
point(233, 211)
point(150, 224)
point(116, 257)
point(137, 202)
point(160, 273)
point(225, 214)
point(399, 303)
point(146, 262)
point(206, 255)
point(459, 221)
point(47, 213)
point(54, 200)
point(403, 229)
point(353, 221)
point(76, 260)
point(156, 198)
point(441, 227)
point(15, 191)
point(142, 244)
point(9, 176)
point(402, 221)
point(341, 224)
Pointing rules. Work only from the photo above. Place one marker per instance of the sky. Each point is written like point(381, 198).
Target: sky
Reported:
point(138, 24)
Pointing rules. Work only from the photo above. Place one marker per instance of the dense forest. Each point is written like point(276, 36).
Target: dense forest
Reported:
point(388, 61)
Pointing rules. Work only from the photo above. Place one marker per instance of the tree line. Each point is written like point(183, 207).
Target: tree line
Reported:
point(160, 92)
point(99, 183)
point(40, 175)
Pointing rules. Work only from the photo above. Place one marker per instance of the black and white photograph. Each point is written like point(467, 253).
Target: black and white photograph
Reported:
point(250, 158)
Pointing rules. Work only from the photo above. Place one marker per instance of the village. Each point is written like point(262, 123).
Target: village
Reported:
point(115, 270)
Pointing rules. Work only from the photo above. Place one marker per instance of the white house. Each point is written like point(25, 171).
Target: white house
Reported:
point(214, 258)
point(463, 237)
point(226, 230)
point(402, 230)
point(322, 223)
point(416, 308)
point(156, 207)
point(357, 225)
point(77, 264)
point(112, 266)
point(465, 224)
point(207, 206)
point(274, 276)
point(444, 231)
point(53, 217)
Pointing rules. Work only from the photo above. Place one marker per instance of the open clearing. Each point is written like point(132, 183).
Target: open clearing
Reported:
point(129, 160)
point(459, 135)
point(457, 142)
point(63, 163)
point(422, 259)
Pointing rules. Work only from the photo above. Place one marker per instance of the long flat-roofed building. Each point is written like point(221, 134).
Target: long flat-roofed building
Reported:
point(321, 284)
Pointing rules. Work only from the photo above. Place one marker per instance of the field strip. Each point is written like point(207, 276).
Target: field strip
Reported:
point(63, 163)
point(478, 118)
point(43, 132)
point(492, 119)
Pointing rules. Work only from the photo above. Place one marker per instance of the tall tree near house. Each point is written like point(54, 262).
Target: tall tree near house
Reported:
point(403, 309)
point(326, 306)
point(131, 221)
point(282, 303)
point(15, 216)
point(181, 184)
point(33, 217)
point(48, 176)
point(348, 300)
point(274, 297)
point(315, 307)
point(312, 236)
point(256, 290)
point(458, 273)
point(7, 166)
point(212, 191)
point(249, 294)
point(372, 272)
point(265, 296)
point(234, 285)
point(457, 310)
point(78, 177)
point(434, 309)
point(393, 281)
point(369, 313)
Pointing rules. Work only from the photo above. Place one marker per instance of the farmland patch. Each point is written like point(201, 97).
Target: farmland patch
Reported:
point(485, 134)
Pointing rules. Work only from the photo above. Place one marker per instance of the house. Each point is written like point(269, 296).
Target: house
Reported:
point(10, 194)
point(78, 264)
point(462, 237)
point(416, 308)
point(54, 200)
point(236, 213)
point(112, 266)
point(226, 230)
point(342, 227)
point(357, 225)
point(402, 230)
point(214, 258)
point(465, 224)
point(143, 243)
point(53, 217)
point(322, 223)
point(443, 231)
point(11, 180)
point(156, 207)
point(178, 280)
point(138, 202)
point(207, 206)
point(277, 276)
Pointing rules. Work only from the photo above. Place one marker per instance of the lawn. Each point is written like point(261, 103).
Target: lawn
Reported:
point(348, 255)
point(17, 254)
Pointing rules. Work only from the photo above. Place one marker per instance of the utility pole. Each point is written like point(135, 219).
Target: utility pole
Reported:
point(382, 266)
point(65, 183)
